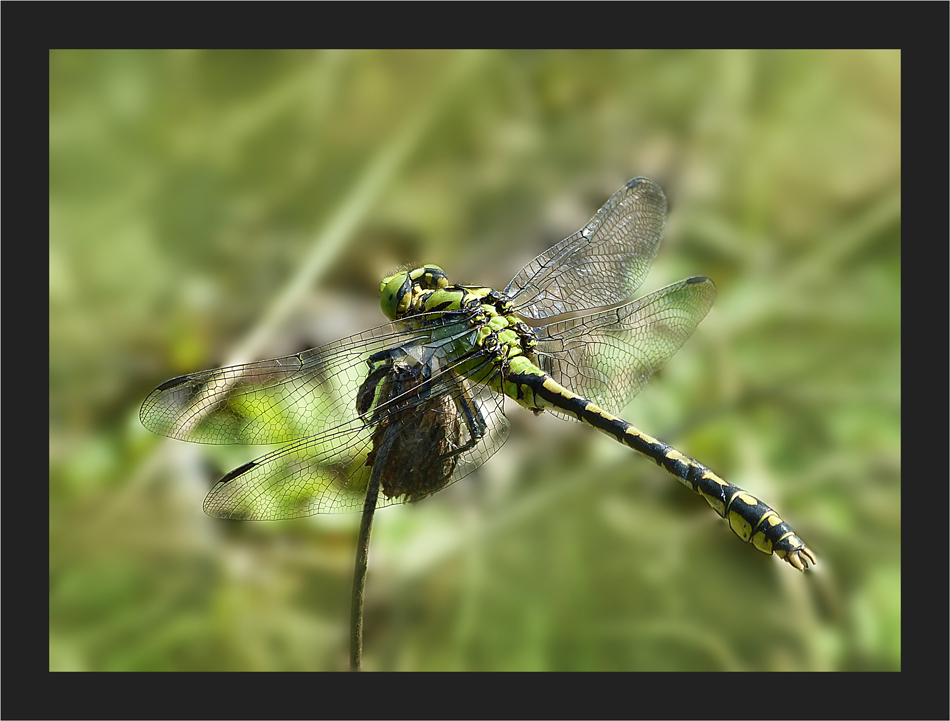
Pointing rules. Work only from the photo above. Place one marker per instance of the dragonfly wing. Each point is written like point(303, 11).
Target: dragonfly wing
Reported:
point(601, 264)
point(415, 447)
point(608, 357)
point(323, 474)
point(282, 399)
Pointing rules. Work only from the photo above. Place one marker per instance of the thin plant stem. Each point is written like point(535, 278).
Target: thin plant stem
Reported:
point(359, 570)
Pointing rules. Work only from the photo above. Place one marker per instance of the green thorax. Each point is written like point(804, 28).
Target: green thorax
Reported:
point(503, 344)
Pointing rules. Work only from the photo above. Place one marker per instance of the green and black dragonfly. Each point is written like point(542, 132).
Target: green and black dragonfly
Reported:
point(420, 400)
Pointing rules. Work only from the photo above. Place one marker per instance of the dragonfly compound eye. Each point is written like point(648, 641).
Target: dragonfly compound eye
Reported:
point(398, 290)
point(395, 294)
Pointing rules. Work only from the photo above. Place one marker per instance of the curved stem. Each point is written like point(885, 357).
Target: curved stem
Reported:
point(359, 570)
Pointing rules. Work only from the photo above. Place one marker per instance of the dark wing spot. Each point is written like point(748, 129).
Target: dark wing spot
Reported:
point(238, 472)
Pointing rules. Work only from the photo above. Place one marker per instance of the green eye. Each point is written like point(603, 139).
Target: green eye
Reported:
point(395, 294)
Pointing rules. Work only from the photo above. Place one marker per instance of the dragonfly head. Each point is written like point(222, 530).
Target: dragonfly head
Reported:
point(398, 291)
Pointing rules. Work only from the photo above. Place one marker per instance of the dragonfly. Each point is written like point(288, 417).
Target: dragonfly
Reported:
point(403, 410)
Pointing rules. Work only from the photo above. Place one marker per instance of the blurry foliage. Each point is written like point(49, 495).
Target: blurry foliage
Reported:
point(207, 207)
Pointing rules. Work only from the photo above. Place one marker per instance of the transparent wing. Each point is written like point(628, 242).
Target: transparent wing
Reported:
point(330, 472)
point(608, 357)
point(601, 264)
point(293, 397)
point(322, 474)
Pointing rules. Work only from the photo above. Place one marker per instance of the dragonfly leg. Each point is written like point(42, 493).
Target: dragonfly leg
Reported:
point(474, 420)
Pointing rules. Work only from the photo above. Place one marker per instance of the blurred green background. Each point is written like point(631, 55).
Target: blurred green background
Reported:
point(213, 207)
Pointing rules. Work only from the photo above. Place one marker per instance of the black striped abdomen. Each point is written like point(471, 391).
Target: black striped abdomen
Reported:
point(748, 517)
